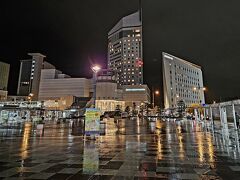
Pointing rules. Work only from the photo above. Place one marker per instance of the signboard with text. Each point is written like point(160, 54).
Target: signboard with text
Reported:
point(92, 121)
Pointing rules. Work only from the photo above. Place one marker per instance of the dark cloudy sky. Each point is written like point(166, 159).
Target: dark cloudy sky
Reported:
point(69, 32)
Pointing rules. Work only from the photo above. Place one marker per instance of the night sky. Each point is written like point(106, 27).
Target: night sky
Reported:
point(71, 33)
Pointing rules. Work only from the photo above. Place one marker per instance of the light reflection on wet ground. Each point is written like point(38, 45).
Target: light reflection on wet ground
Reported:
point(129, 149)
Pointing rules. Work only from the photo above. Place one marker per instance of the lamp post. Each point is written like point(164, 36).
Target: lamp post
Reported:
point(176, 100)
point(155, 92)
point(200, 90)
point(95, 68)
point(30, 96)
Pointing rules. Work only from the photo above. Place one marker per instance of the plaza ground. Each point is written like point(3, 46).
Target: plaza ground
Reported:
point(129, 149)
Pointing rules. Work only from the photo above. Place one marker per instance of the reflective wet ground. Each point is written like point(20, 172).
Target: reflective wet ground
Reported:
point(128, 149)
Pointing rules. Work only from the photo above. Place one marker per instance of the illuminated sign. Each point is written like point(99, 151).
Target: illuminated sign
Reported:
point(136, 89)
point(92, 121)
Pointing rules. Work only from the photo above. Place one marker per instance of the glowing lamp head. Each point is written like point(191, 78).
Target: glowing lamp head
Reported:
point(194, 88)
point(157, 92)
point(204, 89)
point(31, 94)
point(96, 68)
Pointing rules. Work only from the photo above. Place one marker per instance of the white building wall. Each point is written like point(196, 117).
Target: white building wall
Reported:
point(136, 94)
point(106, 90)
point(182, 80)
point(51, 88)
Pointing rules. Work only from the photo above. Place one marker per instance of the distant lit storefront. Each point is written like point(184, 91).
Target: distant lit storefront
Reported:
point(109, 105)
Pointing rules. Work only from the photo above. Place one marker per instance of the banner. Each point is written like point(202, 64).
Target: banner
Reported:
point(92, 121)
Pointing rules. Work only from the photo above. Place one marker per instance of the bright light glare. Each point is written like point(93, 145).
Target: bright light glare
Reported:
point(96, 68)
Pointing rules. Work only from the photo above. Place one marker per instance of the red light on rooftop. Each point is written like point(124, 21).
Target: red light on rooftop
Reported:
point(139, 63)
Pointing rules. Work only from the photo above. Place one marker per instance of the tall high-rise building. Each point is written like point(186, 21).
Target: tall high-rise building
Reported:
point(30, 74)
point(4, 73)
point(182, 80)
point(125, 50)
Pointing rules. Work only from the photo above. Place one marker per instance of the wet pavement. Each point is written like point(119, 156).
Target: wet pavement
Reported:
point(129, 149)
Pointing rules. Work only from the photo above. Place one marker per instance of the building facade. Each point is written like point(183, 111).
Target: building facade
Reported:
point(182, 80)
point(108, 96)
point(125, 50)
point(4, 74)
point(30, 73)
point(136, 94)
point(54, 85)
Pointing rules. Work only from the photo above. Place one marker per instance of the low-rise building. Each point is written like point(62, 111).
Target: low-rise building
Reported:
point(54, 85)
point(109, 95)
point(136, 95)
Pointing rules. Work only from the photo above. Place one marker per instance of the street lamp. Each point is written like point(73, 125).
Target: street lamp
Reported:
point(156, 92)
point(30, 96)
point(95, 68)
point(176, 99)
